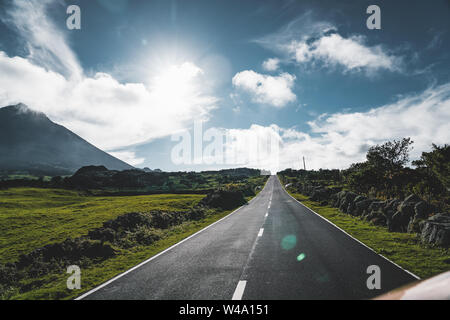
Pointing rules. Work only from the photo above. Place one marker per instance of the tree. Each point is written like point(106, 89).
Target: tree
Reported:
point(362, 177)
point(437, 163)
point(382, 171)
point(391, 155)
point(388, 159)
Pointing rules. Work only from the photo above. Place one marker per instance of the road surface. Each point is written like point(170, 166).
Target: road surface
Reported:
point(272, 248)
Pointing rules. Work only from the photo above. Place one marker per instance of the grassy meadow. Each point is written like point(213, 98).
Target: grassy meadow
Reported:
point(31, 218)
point(53, 286)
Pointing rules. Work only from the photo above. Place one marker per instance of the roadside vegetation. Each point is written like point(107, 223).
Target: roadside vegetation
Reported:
point(401, 212)
point(405, 249)
point(44, 230)
point(386, 175)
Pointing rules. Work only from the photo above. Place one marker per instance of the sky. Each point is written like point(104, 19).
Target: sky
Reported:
point(209, 84)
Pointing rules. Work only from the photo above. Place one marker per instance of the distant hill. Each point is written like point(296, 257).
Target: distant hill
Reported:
point(237, 172)
point(147, 169)
point(31, 142)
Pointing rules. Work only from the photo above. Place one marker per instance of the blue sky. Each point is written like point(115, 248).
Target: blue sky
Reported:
point(139, 72)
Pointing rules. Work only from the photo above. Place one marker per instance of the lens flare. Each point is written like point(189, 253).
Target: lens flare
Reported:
point(301, 256)
point(289, 242)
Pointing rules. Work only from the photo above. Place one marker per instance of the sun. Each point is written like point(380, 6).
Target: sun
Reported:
point(177, 80)
point(176, 85)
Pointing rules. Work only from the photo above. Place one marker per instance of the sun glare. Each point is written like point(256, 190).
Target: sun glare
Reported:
point(176, 84)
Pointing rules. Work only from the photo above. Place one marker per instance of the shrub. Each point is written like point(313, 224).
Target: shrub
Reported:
point(102, 234)
point(146, 236)
point(197, 213)
point(224, 199)
point(70, 251)
point(8, 274)
point(129, 221)
point(164, 220)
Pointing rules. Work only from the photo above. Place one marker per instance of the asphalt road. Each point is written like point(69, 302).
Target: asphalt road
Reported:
point(272, 248)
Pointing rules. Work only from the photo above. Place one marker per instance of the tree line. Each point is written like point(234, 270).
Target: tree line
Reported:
point(388, 173)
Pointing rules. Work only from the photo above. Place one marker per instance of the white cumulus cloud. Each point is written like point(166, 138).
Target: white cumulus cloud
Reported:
point(266, 89)
point(350, 53)
point(340, 139)
point(311, 42)
point(271, 64)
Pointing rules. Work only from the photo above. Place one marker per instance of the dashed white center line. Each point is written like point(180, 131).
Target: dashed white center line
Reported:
point(239, 292)
point(260, 232)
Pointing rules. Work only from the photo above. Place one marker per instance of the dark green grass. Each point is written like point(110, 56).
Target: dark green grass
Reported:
point(31, 218)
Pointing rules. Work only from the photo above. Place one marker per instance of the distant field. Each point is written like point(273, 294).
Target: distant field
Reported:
point(31, 218)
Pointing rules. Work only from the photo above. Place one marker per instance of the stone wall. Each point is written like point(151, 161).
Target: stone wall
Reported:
point(411, 214)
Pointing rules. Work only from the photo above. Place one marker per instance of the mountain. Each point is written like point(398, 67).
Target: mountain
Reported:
point(31, 142)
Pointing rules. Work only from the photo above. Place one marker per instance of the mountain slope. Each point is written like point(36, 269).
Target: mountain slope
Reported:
point(31, 142)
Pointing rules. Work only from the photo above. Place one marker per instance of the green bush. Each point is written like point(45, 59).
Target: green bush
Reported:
point(146, 236)
point(224, 199)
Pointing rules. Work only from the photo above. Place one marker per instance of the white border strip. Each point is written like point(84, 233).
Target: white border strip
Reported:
point(239, 292)
point(409, 272)
point(160, 253)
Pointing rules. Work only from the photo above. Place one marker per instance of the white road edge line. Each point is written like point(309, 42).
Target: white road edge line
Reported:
point(157, 255)
point(407, 271)
point(260, 233)
point(239, 292)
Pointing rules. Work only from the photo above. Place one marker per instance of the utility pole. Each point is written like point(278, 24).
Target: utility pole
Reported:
point(304, 165)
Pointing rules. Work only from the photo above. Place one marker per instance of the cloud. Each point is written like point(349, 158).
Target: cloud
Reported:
point(47, 45)
point(309, 41)
point(128, 156)
point(110, 114)
point(271, 90)
point(340, 139)
point(105, 112)
point(271, 64)
point(350, 53)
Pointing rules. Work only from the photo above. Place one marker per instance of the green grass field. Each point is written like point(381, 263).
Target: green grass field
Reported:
point(403, 248)
point(32, 217)
point(53, 286)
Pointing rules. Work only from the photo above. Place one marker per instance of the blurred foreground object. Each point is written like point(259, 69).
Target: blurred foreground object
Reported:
point(435, 288)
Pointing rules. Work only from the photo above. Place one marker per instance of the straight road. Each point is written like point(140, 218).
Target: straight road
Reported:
point(272, 248)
